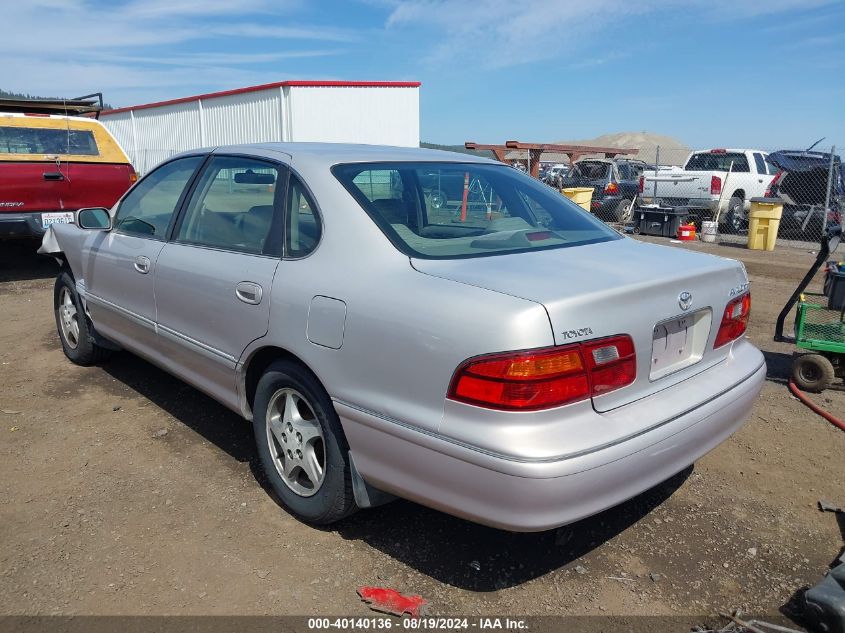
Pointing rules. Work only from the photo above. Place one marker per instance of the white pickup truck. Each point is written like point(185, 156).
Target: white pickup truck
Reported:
point(712, 179)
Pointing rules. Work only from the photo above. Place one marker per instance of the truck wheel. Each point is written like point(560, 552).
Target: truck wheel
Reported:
point(301, 444)
point(736, 219)
point(812, 372)
point(624, 210)
point(75, 331)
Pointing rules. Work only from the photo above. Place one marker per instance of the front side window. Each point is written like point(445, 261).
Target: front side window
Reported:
point(232, 207)
point(147, 209)
point(454, 210)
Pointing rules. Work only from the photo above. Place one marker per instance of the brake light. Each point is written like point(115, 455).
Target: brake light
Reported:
point(642, 183)
point(718, 151)
point(715, 185)
point(611, 187)
point(769, 192)
point(734, 320)
point(545, 378)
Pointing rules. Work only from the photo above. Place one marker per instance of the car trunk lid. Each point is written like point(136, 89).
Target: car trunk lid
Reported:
point(619, 287)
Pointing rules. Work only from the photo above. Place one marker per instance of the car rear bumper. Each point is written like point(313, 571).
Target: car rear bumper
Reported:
point(693, 204)
point(20, 225)
point(532, 495)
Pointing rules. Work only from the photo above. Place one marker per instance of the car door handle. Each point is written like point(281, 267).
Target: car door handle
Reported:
point(142, 264)
point(53, 175)
point(248, 292)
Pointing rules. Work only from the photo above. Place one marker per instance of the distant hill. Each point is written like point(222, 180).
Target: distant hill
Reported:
point(672, 151)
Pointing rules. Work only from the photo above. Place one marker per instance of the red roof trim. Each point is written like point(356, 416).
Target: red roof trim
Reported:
point(278, 84)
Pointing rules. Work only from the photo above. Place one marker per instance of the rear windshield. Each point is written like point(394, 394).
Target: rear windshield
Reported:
point(592, 170)
point(28, 140)
point(452, 210)
point(708, 161)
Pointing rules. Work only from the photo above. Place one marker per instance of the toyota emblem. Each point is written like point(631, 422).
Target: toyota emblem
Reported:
point(685, 300)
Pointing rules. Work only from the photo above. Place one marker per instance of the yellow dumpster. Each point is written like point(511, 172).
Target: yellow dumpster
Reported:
point(582, 196)
point(763, 223)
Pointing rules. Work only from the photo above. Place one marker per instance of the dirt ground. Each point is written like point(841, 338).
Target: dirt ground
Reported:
point(124, 491)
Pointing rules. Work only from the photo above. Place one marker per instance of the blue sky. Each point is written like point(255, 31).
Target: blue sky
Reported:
point(757, 73)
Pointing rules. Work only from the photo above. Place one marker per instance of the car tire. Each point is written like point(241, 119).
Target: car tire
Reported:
point(74, 328)
point(624, 211)
point(812, 372)
point(736, 219)
point(301, 445)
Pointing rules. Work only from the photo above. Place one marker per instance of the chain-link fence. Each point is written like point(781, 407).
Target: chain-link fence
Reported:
point(719, 191)
point(659, 189)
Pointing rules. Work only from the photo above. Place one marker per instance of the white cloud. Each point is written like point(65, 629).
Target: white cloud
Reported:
point(135, 51)
point(498, 33)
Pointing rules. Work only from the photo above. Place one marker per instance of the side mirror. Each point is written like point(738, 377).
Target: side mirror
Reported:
point(95, 218)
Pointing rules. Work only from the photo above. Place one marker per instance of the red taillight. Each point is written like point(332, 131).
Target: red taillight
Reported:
point(718, 151)
point(642, 183)
point(545, 378)
point(612, 363)
point(715, 185)
point(734, 320)
point(611, 187)
point(772, 184)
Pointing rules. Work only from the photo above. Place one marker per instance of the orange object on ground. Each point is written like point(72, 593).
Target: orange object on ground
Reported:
point(391, 601)
point(686, 232)
point(840, 424)
point(465, 197)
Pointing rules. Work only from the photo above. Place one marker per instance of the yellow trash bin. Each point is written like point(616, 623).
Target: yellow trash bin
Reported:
point(582, 196)
point(763, 223)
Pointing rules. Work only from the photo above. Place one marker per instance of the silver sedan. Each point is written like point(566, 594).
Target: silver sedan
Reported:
point(415, 323)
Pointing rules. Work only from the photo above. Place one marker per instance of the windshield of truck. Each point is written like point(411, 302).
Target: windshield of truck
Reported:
point(718, 161)
point(457, 210)
point(591, 170)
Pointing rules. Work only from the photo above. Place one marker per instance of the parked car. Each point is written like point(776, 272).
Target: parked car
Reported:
point(615, 183)
point(52, 165)
point(555, 174)
point(703, 185)
point(522, 368)
point(802, 183)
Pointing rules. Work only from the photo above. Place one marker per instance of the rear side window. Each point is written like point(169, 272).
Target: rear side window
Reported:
point(759, 163)
point(147, 208)
point(28, 140)
point(232, 207)
point(718, 161)
point(455, 210)
point(302, 226)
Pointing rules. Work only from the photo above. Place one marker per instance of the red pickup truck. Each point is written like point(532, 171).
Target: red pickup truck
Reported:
point(53, 165)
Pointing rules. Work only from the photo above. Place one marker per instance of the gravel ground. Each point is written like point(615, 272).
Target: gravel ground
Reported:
point(124, 491)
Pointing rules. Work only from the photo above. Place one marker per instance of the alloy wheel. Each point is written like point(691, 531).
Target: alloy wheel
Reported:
point(68, 318)
point(296, 442)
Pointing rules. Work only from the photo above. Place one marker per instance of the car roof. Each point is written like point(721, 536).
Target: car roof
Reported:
point(334, 153)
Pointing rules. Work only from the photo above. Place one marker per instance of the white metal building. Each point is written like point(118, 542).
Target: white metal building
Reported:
point(375, 112)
